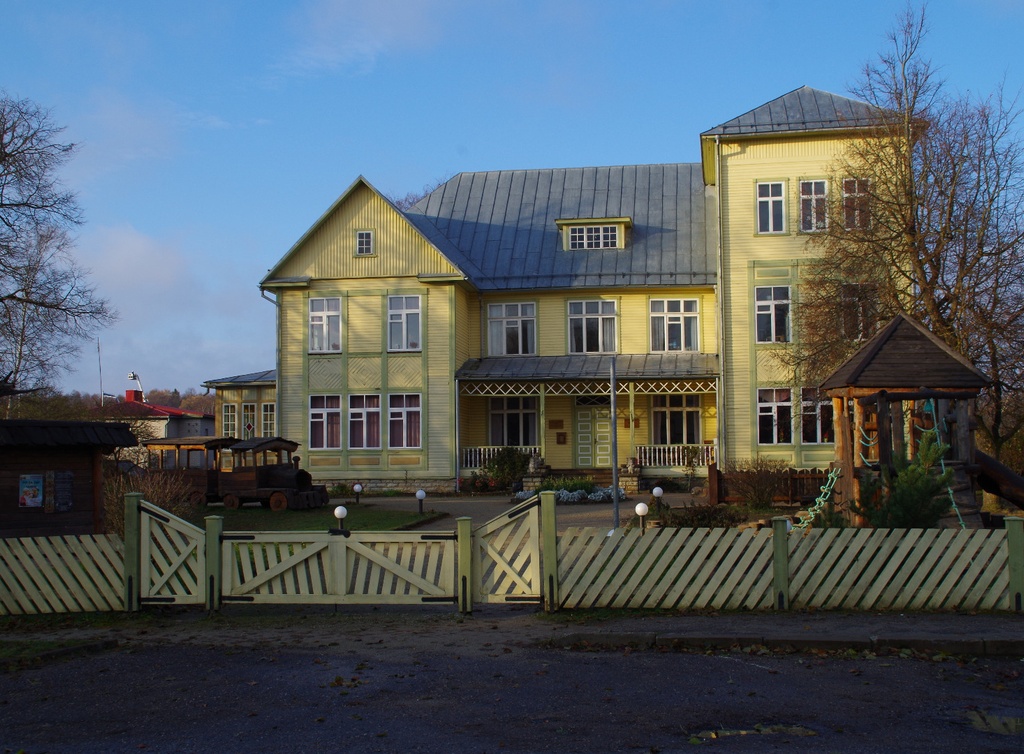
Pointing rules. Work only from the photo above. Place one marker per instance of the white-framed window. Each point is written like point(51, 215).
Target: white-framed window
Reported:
point(511, 329)
point(324, 325)
point(771, 207)
point(674, 324)
point(815, 417)
point(268, 427)
point(774, 416)
point(248, 420)
point(514, 421)
point(403, 323)
point(229, 420)
point(813, 206)
point(859, 311)
point(364, 243)
point(856, 203)
point(404, 421)
point(363, 421)
point(675, 420)
point(591, 327)
point(325, 422)
point(594, 237)
point(772, 305)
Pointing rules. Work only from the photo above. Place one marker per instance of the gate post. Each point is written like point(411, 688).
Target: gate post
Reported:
point(464, 542)
point(780, 562)
point(132, 552)
point(549, 553)
point(1015, 560)
point(214, 562)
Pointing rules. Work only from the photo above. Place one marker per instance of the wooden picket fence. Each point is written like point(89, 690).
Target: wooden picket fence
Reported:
point(517, 557)
point(838, 569)
point(61, 574)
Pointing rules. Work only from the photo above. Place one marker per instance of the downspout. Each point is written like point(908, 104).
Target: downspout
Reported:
point(278, 413)
point(721, 295)
point(458, 436)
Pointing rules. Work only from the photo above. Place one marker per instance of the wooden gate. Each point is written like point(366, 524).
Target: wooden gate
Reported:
point(322, 568)
point(172, 558)
point(506, 556)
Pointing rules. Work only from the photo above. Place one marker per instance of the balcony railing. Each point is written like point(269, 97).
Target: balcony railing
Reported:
point(666, 456)
point(477, 458)
point(654, 456)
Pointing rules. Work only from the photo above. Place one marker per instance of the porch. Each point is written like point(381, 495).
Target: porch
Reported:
point(651, 415)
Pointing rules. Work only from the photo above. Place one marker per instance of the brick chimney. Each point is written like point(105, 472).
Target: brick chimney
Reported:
point(133, 396)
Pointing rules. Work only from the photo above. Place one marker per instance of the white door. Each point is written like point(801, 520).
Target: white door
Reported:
point(593, 437)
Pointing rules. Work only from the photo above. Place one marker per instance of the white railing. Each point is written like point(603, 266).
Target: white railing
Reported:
point(675, 455)
point(477, 458)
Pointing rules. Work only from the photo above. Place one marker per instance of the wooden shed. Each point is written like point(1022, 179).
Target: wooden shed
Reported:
point(903, 382)
point(51, 475)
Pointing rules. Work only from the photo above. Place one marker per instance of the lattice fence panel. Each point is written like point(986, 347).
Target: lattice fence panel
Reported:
point(899, 569)
point(400, 570)
point(665, 568)
point(61, 574)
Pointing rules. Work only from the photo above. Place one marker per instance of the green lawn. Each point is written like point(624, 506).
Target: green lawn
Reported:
point(362, 517)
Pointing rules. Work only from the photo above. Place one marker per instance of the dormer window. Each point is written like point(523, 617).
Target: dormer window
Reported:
point(594, 233)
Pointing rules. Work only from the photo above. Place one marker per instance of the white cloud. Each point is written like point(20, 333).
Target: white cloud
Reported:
point(339, 33)
point(181, 322)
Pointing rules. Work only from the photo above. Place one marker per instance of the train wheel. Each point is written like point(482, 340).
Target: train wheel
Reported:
point(278, 501)
point(231, 501)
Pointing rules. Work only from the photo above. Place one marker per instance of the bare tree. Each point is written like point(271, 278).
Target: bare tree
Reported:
point(926, 219)
point(405, 202)
point(48, 308)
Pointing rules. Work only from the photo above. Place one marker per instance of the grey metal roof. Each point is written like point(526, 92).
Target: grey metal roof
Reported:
point(53, 434)
point(499, 227)
point(268, 376)
point(659, 366)
point(803, 109)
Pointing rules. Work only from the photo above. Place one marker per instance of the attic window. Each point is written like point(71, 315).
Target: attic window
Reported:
point(594, 233)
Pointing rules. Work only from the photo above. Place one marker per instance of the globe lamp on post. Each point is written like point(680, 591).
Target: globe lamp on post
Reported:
point(420, 496)
point(339, 513)
point(642, 510)
point(356, 489)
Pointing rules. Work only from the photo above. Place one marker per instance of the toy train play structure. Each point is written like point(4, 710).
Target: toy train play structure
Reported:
point(233, 472)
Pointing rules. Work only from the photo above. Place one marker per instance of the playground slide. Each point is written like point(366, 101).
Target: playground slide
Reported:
point(999, 480)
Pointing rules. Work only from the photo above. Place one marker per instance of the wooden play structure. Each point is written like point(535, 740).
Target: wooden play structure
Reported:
point(903, 383)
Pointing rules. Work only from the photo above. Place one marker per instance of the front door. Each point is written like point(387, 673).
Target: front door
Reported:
point(593, 436)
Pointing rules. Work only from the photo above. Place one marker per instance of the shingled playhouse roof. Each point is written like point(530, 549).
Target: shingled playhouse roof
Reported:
point(904, 354)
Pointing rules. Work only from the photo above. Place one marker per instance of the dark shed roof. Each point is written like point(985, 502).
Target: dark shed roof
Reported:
point(41, 434)
point(904, 354)
point(803, 109)
point(499, 227)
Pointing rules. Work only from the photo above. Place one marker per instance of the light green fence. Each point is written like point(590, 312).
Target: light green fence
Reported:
point(517, 557)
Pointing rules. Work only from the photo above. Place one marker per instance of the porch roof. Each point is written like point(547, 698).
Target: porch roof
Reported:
point(636, 366)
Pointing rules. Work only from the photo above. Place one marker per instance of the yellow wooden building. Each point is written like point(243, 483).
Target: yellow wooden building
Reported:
point(502, 307)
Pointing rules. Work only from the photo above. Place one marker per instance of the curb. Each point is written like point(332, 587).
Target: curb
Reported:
point(979, 647)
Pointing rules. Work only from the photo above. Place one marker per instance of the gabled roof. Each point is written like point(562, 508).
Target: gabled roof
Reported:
point(803, 109)
point(658, 366)
point(499, 227)
point(266, 377)
point(273, 280)
point(31, 433)
point(904, 354)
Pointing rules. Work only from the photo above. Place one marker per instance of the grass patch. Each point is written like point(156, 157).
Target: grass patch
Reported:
point(362, 517)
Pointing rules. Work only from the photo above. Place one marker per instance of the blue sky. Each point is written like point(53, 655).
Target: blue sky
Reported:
point(213, 133)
